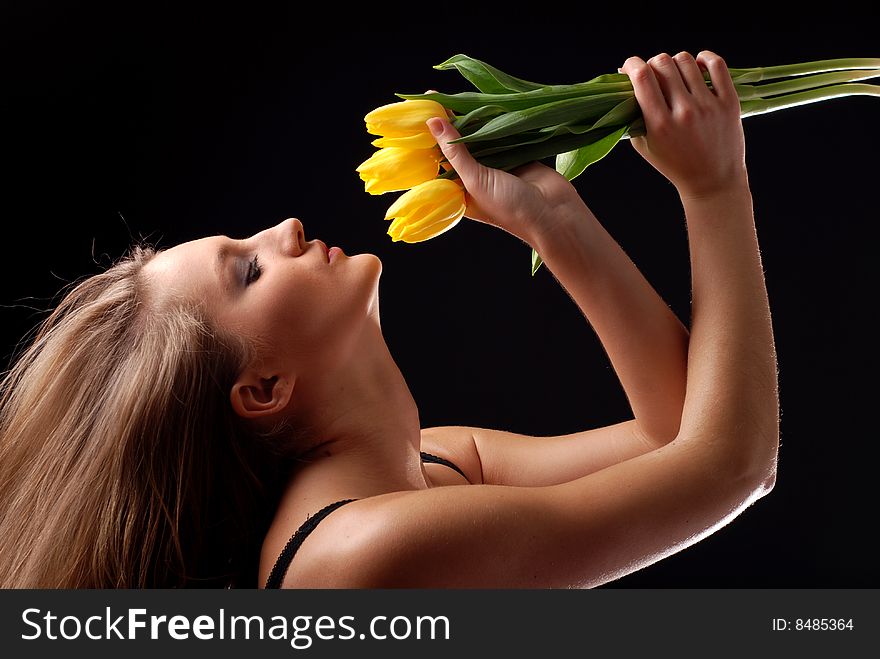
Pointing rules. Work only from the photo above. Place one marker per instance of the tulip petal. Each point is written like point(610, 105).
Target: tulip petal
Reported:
point(430, 193)
point(392, 168)
point(431, 232)
point(426, 210)
point(438, 218)
point(444, 212)
point(403, 118)
point(408, 201)
point(416, 141)
point(398, 224)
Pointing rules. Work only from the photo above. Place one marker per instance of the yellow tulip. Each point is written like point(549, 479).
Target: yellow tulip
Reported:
point(418, 141)
point(404, 119)
point(395, 168)
point(426, 211)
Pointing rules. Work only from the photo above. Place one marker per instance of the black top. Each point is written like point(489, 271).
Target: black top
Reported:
point(283, 562)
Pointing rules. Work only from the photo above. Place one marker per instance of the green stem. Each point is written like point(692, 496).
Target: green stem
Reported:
point(757, 74)
point(762, 106)
point(748, 92)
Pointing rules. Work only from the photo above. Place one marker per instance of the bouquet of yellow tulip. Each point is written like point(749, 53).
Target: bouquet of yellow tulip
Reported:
point(509, 122)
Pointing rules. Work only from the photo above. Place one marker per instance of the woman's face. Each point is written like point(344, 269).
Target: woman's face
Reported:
point(278, 289)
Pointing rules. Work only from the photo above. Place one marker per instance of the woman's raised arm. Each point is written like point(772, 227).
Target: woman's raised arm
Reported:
point(695, 139)
point(644, 340)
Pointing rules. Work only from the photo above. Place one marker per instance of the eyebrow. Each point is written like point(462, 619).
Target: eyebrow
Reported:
point(220, 266)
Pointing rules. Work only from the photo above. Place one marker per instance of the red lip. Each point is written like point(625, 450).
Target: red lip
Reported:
point(325, 249)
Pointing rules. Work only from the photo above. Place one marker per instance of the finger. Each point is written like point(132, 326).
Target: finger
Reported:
point(469, 170)
point(669, 78)
point(722, 83)
point(647, 90)
point(691, 74)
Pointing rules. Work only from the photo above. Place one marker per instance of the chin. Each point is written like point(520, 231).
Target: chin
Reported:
point(377, 263)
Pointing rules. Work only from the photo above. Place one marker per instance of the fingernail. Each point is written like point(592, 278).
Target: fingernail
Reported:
point(436, 126)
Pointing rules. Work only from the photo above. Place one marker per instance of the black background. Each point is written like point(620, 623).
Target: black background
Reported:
point(154, 123)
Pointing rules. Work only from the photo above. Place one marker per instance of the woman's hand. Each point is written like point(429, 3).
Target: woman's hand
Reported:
point(527, 202)
point(694, 134)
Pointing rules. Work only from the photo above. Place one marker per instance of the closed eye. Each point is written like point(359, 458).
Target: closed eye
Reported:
point(254, 271)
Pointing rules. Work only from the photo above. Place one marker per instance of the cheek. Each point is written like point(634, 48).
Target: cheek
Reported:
point(305, 312)
point(317, 311)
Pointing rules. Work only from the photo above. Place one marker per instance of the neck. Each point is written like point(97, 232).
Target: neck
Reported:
point(360, 426)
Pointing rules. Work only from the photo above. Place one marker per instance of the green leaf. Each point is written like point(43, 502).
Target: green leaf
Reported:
point(484, 112)
point(609, 77)
point(483, 149)
point(567, 111)
point(571, 164)
point(467, 101)
point(529, 152)
point(636, 129)
point(624, 112)
point(486, 78)
point(621, 115)
point(522, 140)
point(532, 137)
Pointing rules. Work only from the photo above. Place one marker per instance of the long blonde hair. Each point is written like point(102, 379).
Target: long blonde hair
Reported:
point(122, 462)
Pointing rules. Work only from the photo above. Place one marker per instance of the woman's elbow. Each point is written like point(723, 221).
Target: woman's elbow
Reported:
point(747, 459)
point(768, 478)
point(763, 465)
point(756, 443)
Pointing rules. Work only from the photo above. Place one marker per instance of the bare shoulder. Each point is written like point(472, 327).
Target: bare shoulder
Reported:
point(577, 534)
point(310, 566)
point(361, 543)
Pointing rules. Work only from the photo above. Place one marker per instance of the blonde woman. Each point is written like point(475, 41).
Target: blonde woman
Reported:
point(227, 412)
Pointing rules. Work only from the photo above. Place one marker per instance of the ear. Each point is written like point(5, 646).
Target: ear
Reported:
point(253, 396)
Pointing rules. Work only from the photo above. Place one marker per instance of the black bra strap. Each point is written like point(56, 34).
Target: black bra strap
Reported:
point(427, 457)
point(283, 562)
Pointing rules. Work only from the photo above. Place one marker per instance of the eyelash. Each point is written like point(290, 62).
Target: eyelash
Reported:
point(254, 271)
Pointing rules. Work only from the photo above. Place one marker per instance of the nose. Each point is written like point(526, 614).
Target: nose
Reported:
point(293, 235)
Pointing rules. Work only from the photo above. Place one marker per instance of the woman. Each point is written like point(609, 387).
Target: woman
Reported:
point(205, 414)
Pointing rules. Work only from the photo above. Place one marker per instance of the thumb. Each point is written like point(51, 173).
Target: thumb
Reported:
point(640, 144)
point(468, 169)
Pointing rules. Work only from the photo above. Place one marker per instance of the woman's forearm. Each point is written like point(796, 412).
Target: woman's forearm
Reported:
point(731, 400)
point(645, 342)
